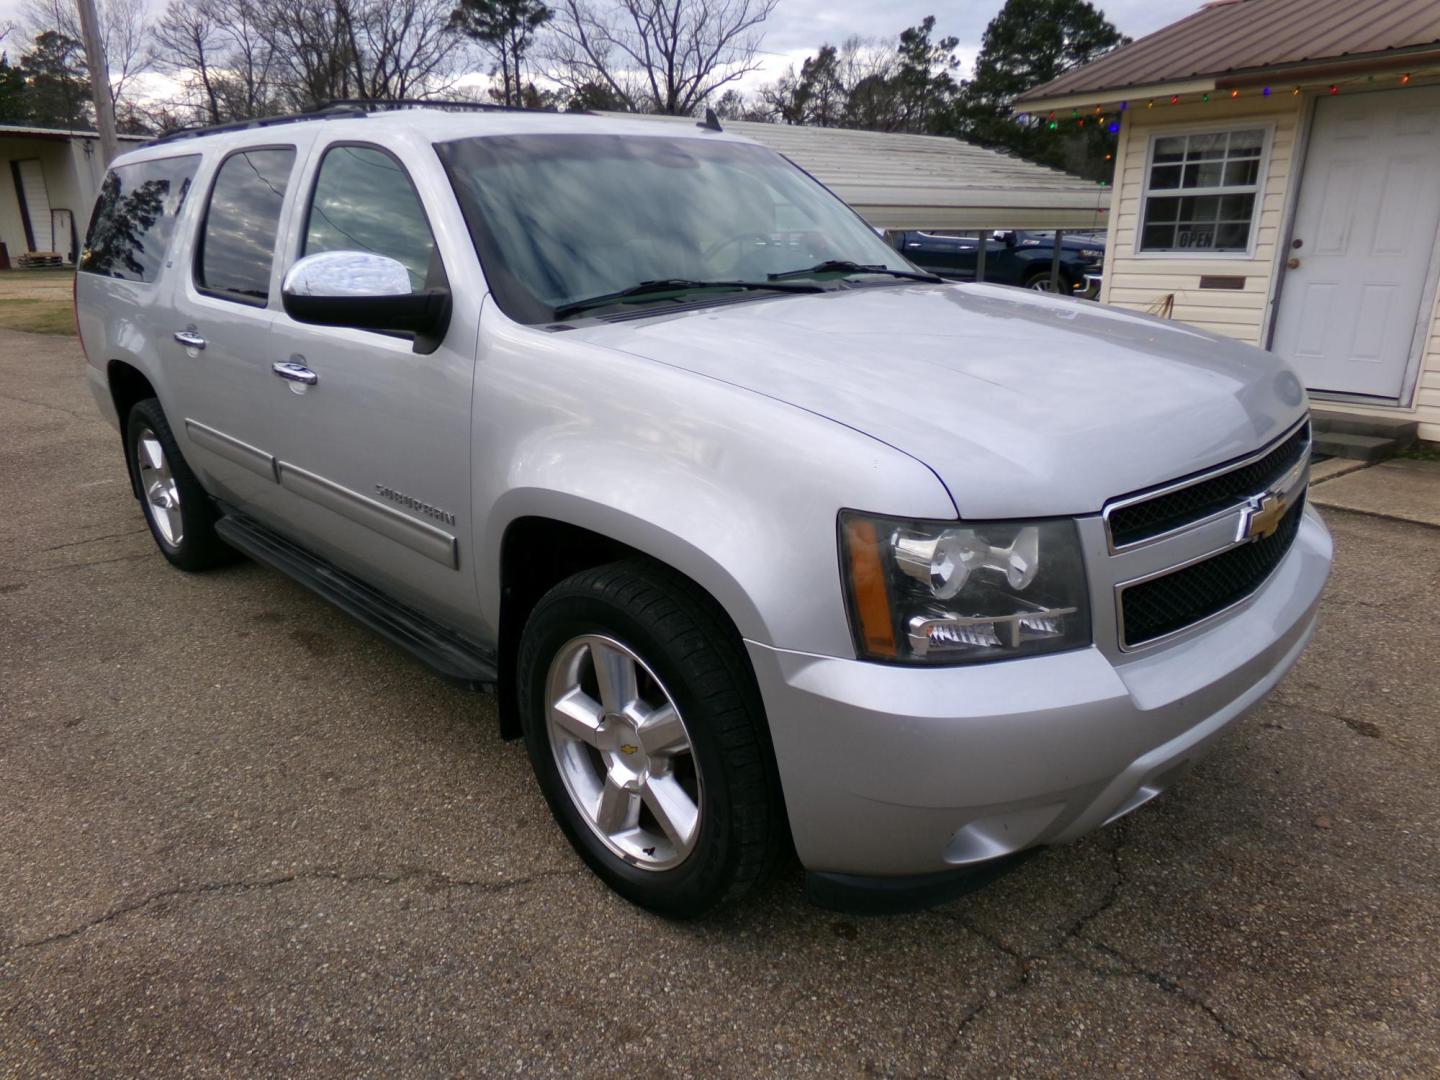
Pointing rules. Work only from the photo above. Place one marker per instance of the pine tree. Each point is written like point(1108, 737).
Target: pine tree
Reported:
point(56, 89)
point(506, 28)
point(1029, 43)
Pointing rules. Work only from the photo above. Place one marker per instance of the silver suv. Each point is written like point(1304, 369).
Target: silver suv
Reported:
point(763, 537)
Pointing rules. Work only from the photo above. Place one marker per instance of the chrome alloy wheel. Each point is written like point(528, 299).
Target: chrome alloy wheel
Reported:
point(162, 495)
point(1042, 284)
point(623, 752)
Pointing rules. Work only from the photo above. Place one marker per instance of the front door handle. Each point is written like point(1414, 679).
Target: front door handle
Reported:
point(190, 339)
point(297, 373)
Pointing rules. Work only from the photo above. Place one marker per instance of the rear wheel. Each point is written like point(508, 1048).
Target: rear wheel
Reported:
point(176, 507)
point(646, 733)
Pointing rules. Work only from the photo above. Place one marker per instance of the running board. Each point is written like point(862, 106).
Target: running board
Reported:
point(447, 653)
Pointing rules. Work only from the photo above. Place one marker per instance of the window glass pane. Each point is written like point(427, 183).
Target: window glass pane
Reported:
point(1236, 207)
point(238, 244)
point(1200, 208)
point(1158, 238)
point(1207, 146)
point(1203, 174)
point(364, 201)
point(135, 216)
point(1233, 236)
point(1246, 142)
point(1242, 172)
point(1197, 236)
point(1163, 209)
point(1165, 176)
point(1170, 148)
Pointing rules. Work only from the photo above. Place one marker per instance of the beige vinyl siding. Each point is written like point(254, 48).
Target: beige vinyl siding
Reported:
point(1427, 396)
point(1143, 282)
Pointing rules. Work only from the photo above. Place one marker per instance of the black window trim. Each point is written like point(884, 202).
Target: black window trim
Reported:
point(197, 157)
point(199, 246)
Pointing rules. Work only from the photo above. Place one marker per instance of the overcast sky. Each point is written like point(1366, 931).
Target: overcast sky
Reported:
point(798, 27)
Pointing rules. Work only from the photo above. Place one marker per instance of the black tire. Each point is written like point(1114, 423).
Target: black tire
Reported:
point(680, 635)
point(197, 546)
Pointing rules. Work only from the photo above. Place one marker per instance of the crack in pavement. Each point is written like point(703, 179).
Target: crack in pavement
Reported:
point(1026, 964)
point(77, 565)
point(95, 539)
point(1077, 930)
point(47, 405)
point(244, 885)
point(1171, 986)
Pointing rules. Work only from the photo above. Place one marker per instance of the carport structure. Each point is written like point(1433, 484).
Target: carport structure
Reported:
point(928, 182)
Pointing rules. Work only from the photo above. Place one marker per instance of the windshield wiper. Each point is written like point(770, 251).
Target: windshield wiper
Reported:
point(677, 285)
point(845, 266)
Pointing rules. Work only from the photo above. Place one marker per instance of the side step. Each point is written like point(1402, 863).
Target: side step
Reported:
point(450, 655)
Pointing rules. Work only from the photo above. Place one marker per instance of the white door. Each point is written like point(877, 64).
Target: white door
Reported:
point(1365, 235)
point(37, 203)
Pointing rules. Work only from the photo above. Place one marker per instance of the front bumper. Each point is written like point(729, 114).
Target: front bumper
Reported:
point(892, 771)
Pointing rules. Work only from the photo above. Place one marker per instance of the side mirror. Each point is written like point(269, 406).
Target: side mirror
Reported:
point(1005, 236)
point(364, 291)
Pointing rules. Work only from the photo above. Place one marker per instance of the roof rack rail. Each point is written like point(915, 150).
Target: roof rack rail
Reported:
point(325, 112)
point(340, 108)
point(385, 104)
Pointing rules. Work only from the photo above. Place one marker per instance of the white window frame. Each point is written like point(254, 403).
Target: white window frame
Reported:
point(1267, 130)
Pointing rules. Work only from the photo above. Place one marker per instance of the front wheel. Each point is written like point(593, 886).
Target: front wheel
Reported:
point(1040, 282)
point(176, 506)
point(646, 733)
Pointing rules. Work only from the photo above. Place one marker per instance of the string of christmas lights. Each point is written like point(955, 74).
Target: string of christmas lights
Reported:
point(1112, 123)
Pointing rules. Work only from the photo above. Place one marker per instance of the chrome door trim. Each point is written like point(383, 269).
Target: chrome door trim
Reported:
point(418, 536)
point(233, 450)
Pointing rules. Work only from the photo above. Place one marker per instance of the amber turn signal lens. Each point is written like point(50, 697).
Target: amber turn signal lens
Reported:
point(867, 580)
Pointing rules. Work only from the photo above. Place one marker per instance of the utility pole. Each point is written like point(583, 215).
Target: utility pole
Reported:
point(99, 79)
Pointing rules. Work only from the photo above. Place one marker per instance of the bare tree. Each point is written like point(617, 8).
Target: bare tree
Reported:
point(373, 49)
point(188, 44)
point(122, 29)
point(664, 56)
point(214, 53)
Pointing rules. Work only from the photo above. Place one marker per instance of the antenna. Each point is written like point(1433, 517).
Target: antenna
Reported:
point(711, 122)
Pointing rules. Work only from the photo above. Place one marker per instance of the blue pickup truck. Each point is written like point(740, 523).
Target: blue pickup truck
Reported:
point(1012, 257)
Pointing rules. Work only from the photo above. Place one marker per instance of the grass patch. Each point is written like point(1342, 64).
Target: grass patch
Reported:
point(38, 316)
point(1421, 451)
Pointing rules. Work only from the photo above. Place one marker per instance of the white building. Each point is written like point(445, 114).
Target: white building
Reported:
point(49, 182)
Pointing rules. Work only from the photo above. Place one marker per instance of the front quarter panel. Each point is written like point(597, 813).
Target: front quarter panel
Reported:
point(736, 490)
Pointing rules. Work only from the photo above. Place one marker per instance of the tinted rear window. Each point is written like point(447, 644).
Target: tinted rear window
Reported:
point(237, 243)
point(134, 218)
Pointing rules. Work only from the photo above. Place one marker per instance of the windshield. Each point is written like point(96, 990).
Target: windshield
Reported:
point(560, 219)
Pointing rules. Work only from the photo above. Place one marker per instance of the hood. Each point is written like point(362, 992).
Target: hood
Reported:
point(1023, 404)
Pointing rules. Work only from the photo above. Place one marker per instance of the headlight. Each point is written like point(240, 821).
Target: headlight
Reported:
point(946, 592)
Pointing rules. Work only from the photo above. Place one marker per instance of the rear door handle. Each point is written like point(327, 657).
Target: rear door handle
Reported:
point(190, 339)
point(297, 373)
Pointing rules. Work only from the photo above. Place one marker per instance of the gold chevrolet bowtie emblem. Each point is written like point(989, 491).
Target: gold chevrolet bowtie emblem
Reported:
point(1262, 517)
point(626, 748)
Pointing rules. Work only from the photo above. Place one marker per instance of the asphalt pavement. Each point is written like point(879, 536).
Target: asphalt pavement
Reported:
point(241, 836)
